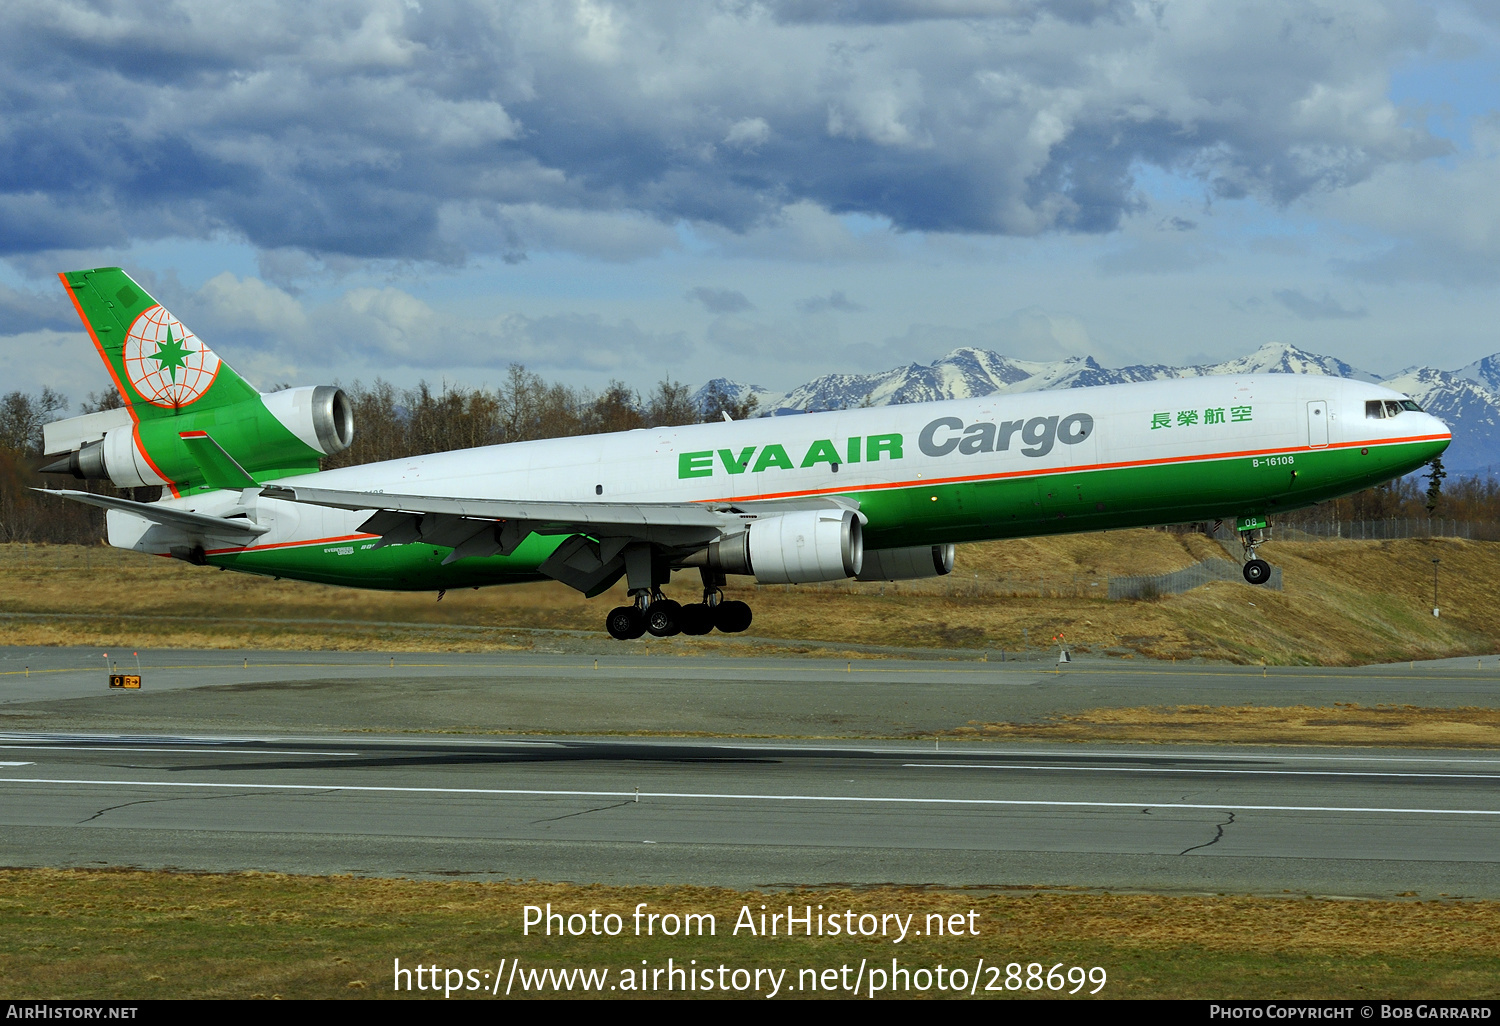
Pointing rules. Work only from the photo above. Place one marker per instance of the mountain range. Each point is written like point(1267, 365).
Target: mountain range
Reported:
point(1468, 399)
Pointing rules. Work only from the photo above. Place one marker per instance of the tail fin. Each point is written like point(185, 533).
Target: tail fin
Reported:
point(159, 366)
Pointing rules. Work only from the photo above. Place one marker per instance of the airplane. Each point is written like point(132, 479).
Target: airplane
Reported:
point(881, 493)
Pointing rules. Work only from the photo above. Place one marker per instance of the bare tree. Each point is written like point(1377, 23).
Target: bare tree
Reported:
point(615, 409)
point(671, 405)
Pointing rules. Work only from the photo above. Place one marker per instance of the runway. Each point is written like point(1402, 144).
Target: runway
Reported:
point(501, 766)
point(760, 814)
point(253, 693)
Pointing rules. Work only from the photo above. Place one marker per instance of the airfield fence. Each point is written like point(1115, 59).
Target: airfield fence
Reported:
point(1149, 586)
point(1383, 530)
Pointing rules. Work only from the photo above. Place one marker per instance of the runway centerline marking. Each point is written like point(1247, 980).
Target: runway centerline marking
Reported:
point(1167, 769)
point(726, 796)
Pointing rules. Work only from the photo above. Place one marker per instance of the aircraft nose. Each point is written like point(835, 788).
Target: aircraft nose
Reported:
point(1441, 432)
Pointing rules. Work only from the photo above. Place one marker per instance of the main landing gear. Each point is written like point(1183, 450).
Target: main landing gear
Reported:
point(657, 615)
point(1255, 570)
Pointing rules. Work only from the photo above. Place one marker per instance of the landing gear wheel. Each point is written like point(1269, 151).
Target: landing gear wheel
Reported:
point(732, 617)
point(695, 619)
point(1257, 571)
point(662, 618)
point(625, 623)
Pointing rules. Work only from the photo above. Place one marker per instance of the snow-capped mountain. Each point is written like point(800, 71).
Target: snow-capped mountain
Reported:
point(1485, 373)
point(1467, 399)
point(1471, 411)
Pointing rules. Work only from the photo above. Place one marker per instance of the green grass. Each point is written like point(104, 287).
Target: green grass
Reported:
point(130, 935)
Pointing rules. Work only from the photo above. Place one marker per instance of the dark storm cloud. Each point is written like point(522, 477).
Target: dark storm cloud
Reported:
point(417, 130)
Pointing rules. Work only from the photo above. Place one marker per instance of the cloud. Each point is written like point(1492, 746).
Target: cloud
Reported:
point(25, 311)
point(1028, 334)
point(1323, 308)
point(885, 12)
point(229, 305)
point(835, 300)
point(1442, 222)
point(748, 133)
point(720, 301)
point(390, 328)
point(388, 130)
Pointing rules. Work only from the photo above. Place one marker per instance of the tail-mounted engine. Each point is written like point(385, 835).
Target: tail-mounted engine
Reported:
point(281, 431)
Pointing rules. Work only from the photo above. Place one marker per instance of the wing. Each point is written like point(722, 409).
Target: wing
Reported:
point(601, 530)
point(237, 528)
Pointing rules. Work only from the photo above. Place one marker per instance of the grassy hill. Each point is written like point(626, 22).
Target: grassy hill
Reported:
point(1345, 602)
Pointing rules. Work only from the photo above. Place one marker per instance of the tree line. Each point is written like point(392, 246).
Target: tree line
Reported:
point(389, 423)
point(395, 423)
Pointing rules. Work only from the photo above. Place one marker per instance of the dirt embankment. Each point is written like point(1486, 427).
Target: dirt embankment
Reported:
point(1344, 603)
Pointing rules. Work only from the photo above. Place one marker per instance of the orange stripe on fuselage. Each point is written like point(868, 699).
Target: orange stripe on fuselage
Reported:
point(923, 482)
point(1043, 471)
point(292, 544)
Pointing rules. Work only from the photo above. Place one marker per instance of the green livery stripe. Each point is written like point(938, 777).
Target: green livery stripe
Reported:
point(1141, 494)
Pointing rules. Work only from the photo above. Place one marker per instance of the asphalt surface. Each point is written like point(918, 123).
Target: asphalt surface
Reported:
point(424, 766)
point(53, 689)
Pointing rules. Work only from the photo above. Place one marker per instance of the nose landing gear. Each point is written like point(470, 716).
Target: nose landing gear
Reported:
point(1255, 570)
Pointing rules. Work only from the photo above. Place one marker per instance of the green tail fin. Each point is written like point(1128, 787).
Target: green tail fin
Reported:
point(159, 366)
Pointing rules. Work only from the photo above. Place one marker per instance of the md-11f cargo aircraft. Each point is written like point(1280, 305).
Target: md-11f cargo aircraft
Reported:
point(869, 494)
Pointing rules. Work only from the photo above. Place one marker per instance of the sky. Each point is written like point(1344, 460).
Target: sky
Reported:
point(768, 191)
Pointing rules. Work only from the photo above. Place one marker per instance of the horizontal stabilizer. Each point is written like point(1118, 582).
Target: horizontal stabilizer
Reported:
point(64, 436)
point(220, 470)
point(233, 527)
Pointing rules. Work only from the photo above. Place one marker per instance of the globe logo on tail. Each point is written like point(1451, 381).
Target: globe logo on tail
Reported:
point(165, 362)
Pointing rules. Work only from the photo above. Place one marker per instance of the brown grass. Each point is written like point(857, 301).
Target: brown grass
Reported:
point(1345, 603)
point(1382, 726)
point(158, 935)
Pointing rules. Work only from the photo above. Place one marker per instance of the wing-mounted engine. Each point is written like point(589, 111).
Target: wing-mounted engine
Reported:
point(799, 547)
point(908, 564)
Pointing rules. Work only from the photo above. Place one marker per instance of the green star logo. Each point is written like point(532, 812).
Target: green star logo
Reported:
point(170, 355)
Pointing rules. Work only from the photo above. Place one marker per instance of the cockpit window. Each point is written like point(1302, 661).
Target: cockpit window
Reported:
point(1392, 407)
point(1407, 404)
point(1375, 410)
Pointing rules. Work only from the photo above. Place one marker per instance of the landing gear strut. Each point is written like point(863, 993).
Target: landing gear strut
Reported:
point(1255, 570)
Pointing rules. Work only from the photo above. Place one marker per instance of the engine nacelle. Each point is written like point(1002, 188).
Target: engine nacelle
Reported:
point(908, 564)
point(802, 547)
point(116, 457)
point(320, 415)
point(275, 431)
